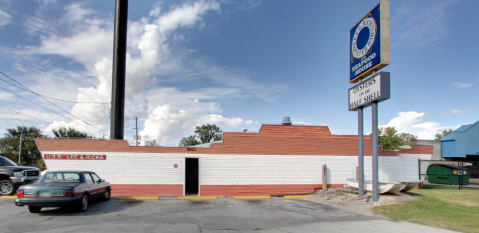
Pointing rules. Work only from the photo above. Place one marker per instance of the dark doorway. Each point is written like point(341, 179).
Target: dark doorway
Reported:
point(191, 176)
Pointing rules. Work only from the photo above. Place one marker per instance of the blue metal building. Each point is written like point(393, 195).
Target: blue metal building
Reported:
point(462, 143)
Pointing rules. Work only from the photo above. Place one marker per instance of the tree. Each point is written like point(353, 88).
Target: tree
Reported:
point(9, 145)
point(446, 132)
point(388, 138)
point(69, 132)
point(151, 143)
point(208, 132)
point(408, 139)
point(189, 141)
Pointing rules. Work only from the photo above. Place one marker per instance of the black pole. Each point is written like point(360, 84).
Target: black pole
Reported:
point(117, 120)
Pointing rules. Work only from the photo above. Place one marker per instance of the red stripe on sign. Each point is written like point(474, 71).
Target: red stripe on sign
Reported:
point(75, 157)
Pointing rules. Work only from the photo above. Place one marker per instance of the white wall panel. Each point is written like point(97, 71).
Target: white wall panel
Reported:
point(221, 169)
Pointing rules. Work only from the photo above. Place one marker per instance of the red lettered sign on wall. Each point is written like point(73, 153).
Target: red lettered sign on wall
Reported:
point(76, 157)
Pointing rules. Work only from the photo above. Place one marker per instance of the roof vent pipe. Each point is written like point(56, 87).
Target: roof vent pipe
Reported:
point(286, 121)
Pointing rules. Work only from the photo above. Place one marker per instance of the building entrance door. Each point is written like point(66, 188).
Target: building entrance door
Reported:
point(191, 176)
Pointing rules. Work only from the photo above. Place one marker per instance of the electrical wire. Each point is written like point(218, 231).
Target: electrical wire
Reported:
point(18, 34)
point(36, 65)
point(11, 110)
point(28, 90)
point(54, 111)
point(41, 96)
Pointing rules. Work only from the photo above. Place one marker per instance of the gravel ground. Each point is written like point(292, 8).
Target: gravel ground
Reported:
point(347, 195)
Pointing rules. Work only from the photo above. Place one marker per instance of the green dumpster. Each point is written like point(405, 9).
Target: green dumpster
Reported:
point(447, 174)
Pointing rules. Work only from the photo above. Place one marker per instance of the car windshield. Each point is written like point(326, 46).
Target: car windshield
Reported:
point(6, 162)
point(53, 177)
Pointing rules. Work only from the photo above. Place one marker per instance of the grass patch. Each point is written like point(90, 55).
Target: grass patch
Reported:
point(438, 206)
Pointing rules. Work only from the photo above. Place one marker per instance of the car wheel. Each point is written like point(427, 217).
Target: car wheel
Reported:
point(83, 203)
point(106, 195)
point(34, 209)
point(7, 187)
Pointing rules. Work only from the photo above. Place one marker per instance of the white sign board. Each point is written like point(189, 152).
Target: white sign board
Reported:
point(373, 89)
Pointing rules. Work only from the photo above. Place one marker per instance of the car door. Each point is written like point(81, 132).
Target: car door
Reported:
point(92, 186)
point(101, 187)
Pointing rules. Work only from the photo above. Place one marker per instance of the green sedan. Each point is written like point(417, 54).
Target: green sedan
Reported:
point(63, 188)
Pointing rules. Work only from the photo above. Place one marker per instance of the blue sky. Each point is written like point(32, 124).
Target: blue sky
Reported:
point(237, 64)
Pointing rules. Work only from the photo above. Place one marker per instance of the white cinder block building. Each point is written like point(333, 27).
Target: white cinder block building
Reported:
point(279, 159)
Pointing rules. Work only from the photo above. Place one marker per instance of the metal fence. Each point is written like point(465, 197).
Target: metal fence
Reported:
point(463, 170)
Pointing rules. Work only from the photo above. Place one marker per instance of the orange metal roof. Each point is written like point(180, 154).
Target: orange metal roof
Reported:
point(270, 140)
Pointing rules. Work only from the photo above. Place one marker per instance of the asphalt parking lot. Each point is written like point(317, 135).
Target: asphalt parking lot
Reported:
point(221, 215)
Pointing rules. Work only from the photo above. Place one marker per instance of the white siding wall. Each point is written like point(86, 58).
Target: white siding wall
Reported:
point(146, 168)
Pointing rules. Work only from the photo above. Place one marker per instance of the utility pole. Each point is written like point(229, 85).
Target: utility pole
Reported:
point(136, 127)
point(20, 152)
point(117, 120)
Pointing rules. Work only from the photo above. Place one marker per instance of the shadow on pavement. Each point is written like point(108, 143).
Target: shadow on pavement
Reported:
point(94, 208)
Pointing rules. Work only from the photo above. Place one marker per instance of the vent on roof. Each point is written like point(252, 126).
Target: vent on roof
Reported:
point(244, 130)
point(286, 121)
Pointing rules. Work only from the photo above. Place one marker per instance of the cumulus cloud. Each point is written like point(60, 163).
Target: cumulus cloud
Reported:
point(168, 125)
point(411, 122)
point(85, 36)
point(185, 15)
point(460, 85)
point(4, 18)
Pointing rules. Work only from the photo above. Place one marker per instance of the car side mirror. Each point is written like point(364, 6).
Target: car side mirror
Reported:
point(102, 180)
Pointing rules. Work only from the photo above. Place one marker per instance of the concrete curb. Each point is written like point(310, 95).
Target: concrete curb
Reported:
point(8, 197)
point(251, 197)
point(298, 196)
point(138, 198)
point(196, 198)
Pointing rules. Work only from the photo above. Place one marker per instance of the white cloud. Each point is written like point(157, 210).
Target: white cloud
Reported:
point(167, 113)
point(4, 18)
point(6, 96)
point(155, 12)
point(410, 122)
point(77, 12)
point(168, 125)
point(457, 112)
point(422, 23)
point(460, 85)
point(185, 15)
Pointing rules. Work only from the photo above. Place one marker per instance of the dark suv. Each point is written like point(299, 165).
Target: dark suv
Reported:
point(13, 176)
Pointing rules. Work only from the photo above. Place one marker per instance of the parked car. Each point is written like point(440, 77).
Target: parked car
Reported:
point(63, 188)
point(13, 176)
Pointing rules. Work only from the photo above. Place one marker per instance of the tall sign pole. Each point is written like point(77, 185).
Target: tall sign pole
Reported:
point(360, 153)
point(117, 120)
point(375, 152)
point(368, 53)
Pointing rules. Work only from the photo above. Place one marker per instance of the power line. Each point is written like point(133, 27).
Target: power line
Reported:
point(28, 90)
point(37, 65)
point(44, 98)
point(56, 112)
point(17, 34)
point(11, 110)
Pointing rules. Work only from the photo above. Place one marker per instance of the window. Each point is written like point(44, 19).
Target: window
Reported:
point(95, 177)
point(88, 178)
point(70, 177)
point(6, 162)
